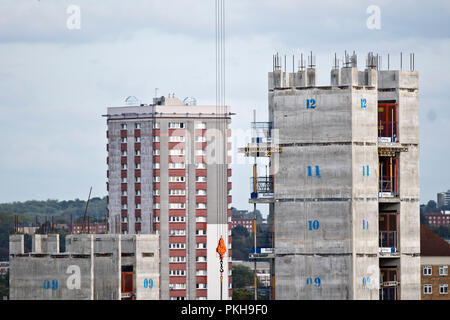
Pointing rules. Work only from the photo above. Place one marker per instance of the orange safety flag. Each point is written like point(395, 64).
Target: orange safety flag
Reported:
point(221, 248)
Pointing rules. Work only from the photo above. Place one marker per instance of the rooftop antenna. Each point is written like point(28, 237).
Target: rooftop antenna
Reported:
point(311, 61)
point(301, 66)
point(336, 62)
point(401, 60)
point(293, 63)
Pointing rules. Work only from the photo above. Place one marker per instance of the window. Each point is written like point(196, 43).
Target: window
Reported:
point(155, 178)
point(138, 205)
point(176, 179)
point(200, 125)
point(443, 288)
point(177, 165)
point(427, 270)
point(176, 152)
point(201, 285)
point(200, 139)
point(201, 245)
point(124, 206)
point(177, 246)
point(156, 165)
point(200, 179)
point(200, 205)
point(156, 192)
point(177, 192)
point(200, 219)
point(443, 270)
point(124, 180)
point(138, 179)
point(177, 272)
point(177, 232)
point(200, 192)
point(200, 152)
point(123, 140)
point(138, 166)
point(137, 125)
point(137, 139)
point(176, 125)
point(177, 219)
point(200, 166)
point(200, 273)
point(155, 138)
point(200, 232)
point(155, 125)
point(124, 166)
point(156, 206)
point(200, 259)
point(137, 152)
point(177, 205)
point(124, 126)
point(175, 286)
point(124, 193)
point(124, 153)
point(155, 152)
point(176, 139)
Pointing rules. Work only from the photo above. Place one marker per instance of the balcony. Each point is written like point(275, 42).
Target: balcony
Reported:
point(388, 177)
point(264, 189)
point(389, 284)
point(387, 132)
point(388, 187)
point(387, 122)
point(388, 234)
point(388, 243)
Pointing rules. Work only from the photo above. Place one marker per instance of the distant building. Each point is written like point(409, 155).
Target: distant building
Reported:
point(4, 267)
point(441, 199)
point(27, 230)
point(92, 228)
point(438, 219)
point(434, 260)
point(262, 270)
point(246, 223)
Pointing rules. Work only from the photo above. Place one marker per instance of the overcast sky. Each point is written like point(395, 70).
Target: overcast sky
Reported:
point(56, 81)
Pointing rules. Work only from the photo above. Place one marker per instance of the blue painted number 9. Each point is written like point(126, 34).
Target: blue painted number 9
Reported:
point(148, 283)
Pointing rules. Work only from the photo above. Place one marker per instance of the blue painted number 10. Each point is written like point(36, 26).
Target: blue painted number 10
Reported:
point(313, 225)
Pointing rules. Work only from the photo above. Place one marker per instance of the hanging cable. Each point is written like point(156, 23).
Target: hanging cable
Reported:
point(220, 136)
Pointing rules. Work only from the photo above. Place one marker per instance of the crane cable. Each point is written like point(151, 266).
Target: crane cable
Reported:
point(221, 136)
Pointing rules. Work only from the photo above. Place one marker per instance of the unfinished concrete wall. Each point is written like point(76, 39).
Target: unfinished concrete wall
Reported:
point(45, 243)
point(313, 277)
point(147, 267)
point(90, 270)
point(16, 244)
point(107, 266)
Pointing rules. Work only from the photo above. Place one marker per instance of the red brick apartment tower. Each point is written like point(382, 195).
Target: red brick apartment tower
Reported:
point(165, 177)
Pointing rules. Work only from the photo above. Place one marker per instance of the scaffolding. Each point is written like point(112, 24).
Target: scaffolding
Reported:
point(262, 190)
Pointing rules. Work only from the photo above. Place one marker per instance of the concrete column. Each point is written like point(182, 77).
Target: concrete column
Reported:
point(335, 77)
point(349, 76)
point(311, 76)
point(16, 244)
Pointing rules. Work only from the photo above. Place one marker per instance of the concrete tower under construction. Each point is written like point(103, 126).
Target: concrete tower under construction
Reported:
point(345, 204)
